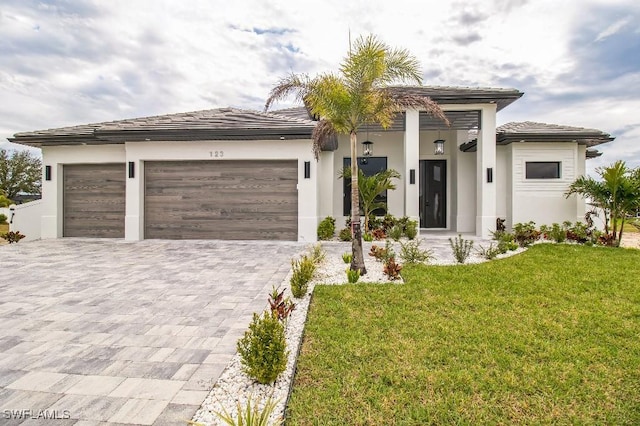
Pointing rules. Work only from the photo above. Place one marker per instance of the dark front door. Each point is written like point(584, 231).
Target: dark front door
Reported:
point(433, 194)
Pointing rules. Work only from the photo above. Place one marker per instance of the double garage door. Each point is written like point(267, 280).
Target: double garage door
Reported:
point(229, 200)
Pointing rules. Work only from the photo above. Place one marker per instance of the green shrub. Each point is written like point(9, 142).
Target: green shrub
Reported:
point(3, 219)
point(411, 229)
point(353, 276)
point(557, 233)
point(251, 414)
point(526, 233)
point(345, 234)
point(411, 252)
point(4, 201)
point(396, 232)
point(491, 251)
point(317, 253)
point(262, 349)
point(302, 272)
point(461, 248)
point(388, 222)
point(347, 257)
point(327, 228)
point(12, 236)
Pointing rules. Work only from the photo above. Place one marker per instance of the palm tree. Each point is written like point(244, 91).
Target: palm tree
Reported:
point(617, 194)
point(369, 187)
point(357, 95)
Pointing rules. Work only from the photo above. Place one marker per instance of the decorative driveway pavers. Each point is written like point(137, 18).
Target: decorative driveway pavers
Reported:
point(125, 332)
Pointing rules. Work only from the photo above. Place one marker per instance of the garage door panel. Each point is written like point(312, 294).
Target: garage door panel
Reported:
point(221, 199)
point(94, 200)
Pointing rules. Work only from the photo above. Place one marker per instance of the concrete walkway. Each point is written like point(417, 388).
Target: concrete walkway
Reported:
point(126, 333)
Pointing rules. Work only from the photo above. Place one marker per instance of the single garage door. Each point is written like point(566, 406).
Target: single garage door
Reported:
point(226, 200)
point(94, 200)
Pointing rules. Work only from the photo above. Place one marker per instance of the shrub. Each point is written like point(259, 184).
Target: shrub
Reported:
point(280, 306)
point(461, 248)
point(345, 234)
point(411, 229)
point(317, 253)
point(378, 234)
point(353, 276)
point(557, 233)
point(251, 414)
point(396, 232)
point(262, 349)
point(3, 219)
point(388, 222)
point(327, 228)
point(410, 252)
point(378, 252)
point(491, 251)
point(375, 222)
point(579, 232)
point(347, 257)
point(525, 233)
point(12, 236)
point(303, 270)
point(367, 237)
point(392, 269)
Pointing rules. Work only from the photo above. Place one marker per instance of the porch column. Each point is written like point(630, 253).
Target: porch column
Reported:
point(581, 204)
point(485, 170)
point(412, 162)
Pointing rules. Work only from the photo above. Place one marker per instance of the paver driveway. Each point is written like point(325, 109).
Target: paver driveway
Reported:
point(125, 332)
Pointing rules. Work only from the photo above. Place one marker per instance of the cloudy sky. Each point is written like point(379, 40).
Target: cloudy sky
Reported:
point(75, 62)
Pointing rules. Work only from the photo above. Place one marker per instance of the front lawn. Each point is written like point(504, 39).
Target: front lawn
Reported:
point(550, 336)
point(4, 228)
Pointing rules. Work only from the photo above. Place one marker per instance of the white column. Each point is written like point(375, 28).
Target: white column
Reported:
point(412, 162)
point(581, 205)
point(486, 159)
point(134, 205)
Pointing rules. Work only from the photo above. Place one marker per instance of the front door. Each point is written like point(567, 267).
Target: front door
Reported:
point(433, 193)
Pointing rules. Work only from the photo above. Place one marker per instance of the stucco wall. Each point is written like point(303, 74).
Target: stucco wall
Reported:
point(543, 200)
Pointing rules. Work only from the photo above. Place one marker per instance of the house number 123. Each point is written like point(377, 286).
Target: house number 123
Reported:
point(216, 154)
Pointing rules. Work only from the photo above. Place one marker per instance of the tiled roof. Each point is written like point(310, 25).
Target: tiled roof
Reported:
point(531, 127)
point(212, 119)
point(460, 95)
point(235, 123)
point(530, 131)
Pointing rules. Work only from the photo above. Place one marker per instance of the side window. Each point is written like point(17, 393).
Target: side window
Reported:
point(372, 166)
point(543, 169)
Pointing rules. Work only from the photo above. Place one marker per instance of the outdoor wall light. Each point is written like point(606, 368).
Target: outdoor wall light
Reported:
point(132, 170)
point(438, 147)
point(367, 149)
point(47, 172)
point(307, 169)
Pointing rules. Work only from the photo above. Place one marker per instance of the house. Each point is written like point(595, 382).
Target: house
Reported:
point(229, 173)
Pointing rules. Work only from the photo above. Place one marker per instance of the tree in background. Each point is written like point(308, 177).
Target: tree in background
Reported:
point(20, 171)
point(616, 193)
point(355, 96)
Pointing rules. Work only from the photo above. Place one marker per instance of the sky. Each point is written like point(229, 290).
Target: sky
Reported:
point(74, 62)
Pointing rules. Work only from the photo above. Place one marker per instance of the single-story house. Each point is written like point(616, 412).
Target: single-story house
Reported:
point(229, 173)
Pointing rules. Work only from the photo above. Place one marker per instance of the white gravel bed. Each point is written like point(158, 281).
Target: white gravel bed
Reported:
point(234, 386)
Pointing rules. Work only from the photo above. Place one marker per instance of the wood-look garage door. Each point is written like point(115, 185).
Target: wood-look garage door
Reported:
point(226, 200)
point(94, 200)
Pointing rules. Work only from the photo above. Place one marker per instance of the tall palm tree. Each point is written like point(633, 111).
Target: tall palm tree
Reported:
point(357, 95)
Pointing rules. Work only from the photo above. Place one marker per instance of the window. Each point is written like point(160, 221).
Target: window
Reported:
point(543, 169)
point(372, 166)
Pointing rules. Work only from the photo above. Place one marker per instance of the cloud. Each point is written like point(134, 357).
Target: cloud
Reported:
point(613, 29)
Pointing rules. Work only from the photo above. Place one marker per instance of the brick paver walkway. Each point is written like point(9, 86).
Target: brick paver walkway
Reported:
point(125, 332)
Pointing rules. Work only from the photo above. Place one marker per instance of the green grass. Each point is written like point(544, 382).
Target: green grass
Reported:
point(4, 227)
point(551, 336)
